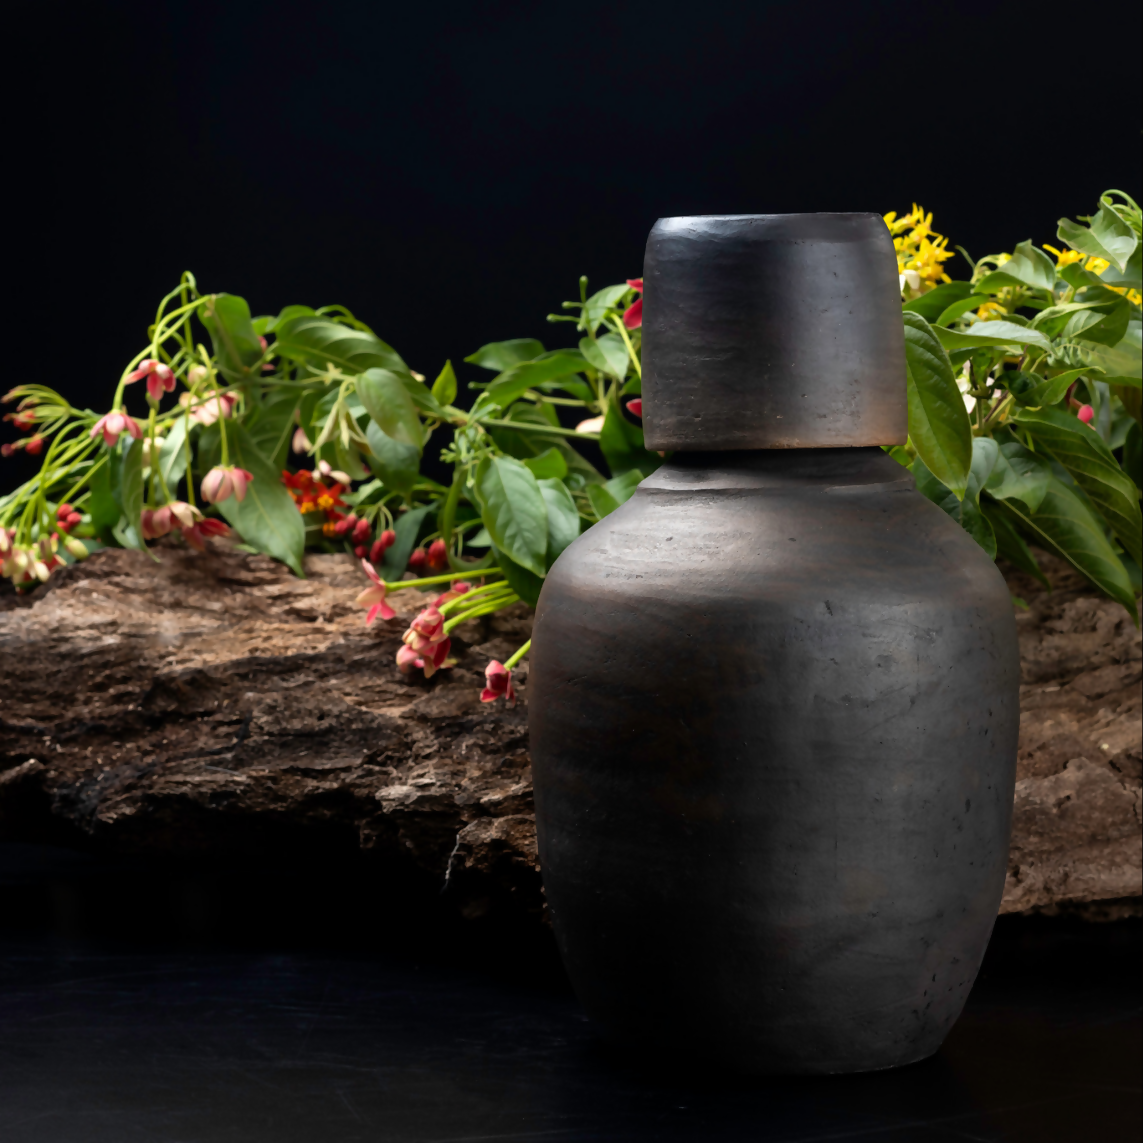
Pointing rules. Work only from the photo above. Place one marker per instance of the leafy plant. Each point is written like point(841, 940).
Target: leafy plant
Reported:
point(1024, 394)
point(1024, 407)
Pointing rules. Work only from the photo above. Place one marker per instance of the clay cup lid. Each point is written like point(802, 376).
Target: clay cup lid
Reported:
point(772, 331)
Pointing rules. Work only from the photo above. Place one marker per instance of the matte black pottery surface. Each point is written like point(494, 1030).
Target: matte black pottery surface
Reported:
point(774, 714)
point(772, 331)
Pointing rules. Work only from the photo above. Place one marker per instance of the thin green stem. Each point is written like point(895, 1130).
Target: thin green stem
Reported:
point(549, 430)
point(519, 655)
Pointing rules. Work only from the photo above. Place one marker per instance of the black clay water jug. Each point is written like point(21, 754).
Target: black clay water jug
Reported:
point(774, 696)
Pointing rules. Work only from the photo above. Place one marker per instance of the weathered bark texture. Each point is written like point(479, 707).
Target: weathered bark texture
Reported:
point(216, 704)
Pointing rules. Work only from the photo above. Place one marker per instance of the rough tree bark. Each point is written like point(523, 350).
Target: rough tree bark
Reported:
point(217, 705)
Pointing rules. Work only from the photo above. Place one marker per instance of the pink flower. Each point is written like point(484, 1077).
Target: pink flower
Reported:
point(198, 534)
point(331, 473)
point(374, 598)
point(160, 378)
point(35, 445)
point(407, 659)
point(112, 425)
point(300, 442)
point(223, 480)
point(635, 406)
point(426, 630)
point(417, 560)
point(344, 524)
point(635, 284)
point(362, 530)
point(497, 683)
point(160, 521)
point(1085, 414)
point(633, 315)
point(214, 405)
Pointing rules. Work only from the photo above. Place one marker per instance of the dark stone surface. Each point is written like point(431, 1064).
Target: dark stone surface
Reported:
point(190, 1008)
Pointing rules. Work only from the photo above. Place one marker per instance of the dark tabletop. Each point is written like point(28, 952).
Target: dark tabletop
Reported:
point(123, 1032)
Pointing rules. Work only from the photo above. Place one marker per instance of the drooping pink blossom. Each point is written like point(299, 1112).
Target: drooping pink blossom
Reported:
point(222, 481)
point(417, 560)
point(373, 597)
point(300, 442)
point(633, 315)
point(160, 378)
point(497, 683)
point(112, 425)
point(213, 406)
point(1085, 413)
point(407, 659)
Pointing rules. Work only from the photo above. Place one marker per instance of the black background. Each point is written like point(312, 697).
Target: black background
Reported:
point(447, 171)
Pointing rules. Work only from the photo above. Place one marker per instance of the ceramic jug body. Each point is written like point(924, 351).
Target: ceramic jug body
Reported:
point(774, 710)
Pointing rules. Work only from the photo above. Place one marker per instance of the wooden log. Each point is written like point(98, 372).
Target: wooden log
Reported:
point(216, 705)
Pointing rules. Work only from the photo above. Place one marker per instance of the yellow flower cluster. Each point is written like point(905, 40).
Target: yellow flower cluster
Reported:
point(1095, 266)
point(920, 251)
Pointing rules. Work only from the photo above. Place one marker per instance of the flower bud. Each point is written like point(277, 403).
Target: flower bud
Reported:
point(362, 531)
point(438, 555)
point(417, 560)
point(342, 527)
point(1085, 414)
point(76, 548)
point(635, 406)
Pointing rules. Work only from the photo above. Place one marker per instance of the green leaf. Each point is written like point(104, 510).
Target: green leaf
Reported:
point(406, 528)
point(525, 583)
point(104, 504)
point(623, 487)
point(513, 511)
point(512, 382)
point(173, 455)
point(131, 494)
point(967, 512)
point(931, 305)
point(502, 355)
point(395, 463)
point(1052, 391)
point(563, 516)
point(1131, 277)
point(938, 421)
point(444, 387)
point(1122, 364)
point(1028, 266)
point(287, 314)
point(958, 309)
point(622, 444)
point(601, 500)
point(271, 428)
point(1109, 237)
point(1093, 466)
point(319, 341)
point(1019, 475)
point(602, 301)
point(236, 345)
point(1052, 320)
point(1010, 544)
point(1103, 328)
point(608, 354)
point(267, 519)
point(388, 401)
point(1064, 525)
point(987, 333)
point(550, 464)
